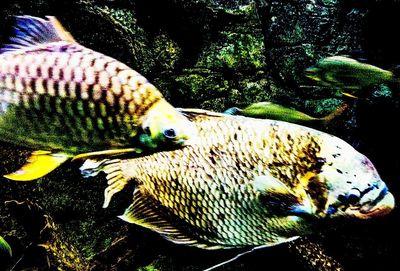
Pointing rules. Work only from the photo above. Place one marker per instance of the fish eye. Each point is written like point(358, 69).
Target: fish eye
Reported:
point(353, 197)
point(169, 133)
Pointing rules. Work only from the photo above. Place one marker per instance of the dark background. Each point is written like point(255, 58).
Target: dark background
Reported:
point(212, 54)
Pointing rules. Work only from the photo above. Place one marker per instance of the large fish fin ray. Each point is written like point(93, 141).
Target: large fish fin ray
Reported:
point(116, 179)
point(148, 213)
point(39, 164)
point(280, 197)
point(269, 184)
point(32, 31)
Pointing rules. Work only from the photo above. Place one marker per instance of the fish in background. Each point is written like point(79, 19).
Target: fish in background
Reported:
point(246, 183)
point(68, 101)
point(348, 75)
point(273, 111)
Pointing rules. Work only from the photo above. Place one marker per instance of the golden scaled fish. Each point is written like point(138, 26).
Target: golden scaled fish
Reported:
point(246, 182)
point(67, 101)
point(269, 110)
point(347, 74)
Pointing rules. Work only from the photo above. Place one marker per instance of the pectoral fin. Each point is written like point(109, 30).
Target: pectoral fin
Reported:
point(148, 213)
point(116, 179)
point(4, 246)
point(38, 165)
point(279, 197)
point(269, 184)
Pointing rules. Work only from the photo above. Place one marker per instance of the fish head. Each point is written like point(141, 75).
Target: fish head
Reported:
point(354, 186)
point(165, 125)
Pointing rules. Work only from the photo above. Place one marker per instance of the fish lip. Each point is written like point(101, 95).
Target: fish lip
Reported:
point(384, 207)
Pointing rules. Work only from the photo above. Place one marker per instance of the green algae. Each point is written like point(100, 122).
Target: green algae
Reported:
point(235, 51)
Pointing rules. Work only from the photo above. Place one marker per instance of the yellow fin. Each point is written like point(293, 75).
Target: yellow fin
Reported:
point(106, 153)
point(349, 95)
point(38, 165)
point(335, 113)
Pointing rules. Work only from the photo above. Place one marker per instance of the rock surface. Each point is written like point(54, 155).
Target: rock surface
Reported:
point(211, 54)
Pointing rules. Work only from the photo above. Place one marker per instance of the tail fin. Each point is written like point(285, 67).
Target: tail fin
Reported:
point(339, 111)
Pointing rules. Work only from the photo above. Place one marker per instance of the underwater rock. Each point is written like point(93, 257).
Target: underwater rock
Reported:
point(216, 54)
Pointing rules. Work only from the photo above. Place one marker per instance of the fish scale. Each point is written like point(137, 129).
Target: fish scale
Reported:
point(70, 101)
point(42, 75)
point(269, 187)
point(227, 190)
point(35, 75)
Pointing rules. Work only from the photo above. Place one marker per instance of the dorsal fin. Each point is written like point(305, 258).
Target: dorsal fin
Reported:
point(33, 31)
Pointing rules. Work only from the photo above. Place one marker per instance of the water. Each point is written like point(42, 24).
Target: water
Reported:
point(213, 55)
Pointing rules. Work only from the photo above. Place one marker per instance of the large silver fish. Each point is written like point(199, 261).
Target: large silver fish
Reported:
point(246, 182)
point(64, 99)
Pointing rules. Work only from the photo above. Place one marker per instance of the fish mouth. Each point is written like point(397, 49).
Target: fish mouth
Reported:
point(383, 207)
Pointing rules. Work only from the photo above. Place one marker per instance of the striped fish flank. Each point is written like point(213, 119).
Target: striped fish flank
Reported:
point(59, 96)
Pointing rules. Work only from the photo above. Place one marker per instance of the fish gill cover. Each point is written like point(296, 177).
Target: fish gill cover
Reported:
point(212, 55)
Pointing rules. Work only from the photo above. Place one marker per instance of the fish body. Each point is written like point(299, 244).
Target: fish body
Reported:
point(57, 95)
point(246, 182)
point(273, 111)
point(345, 73)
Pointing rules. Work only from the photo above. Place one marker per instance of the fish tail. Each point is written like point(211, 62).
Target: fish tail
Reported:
point(396, 74)
point(335, 113)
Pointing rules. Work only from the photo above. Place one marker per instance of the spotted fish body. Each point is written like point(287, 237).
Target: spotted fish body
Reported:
point(55, 94)
point(80, 98)
point(247, 182)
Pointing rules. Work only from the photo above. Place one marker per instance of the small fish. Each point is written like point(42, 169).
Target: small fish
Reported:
point(66, 100)
point(268, 110)
point(5, 247)
point(246, 182)
point(347, 74)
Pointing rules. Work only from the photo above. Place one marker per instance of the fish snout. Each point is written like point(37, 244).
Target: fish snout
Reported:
point(381, 206)
point(384, 206)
